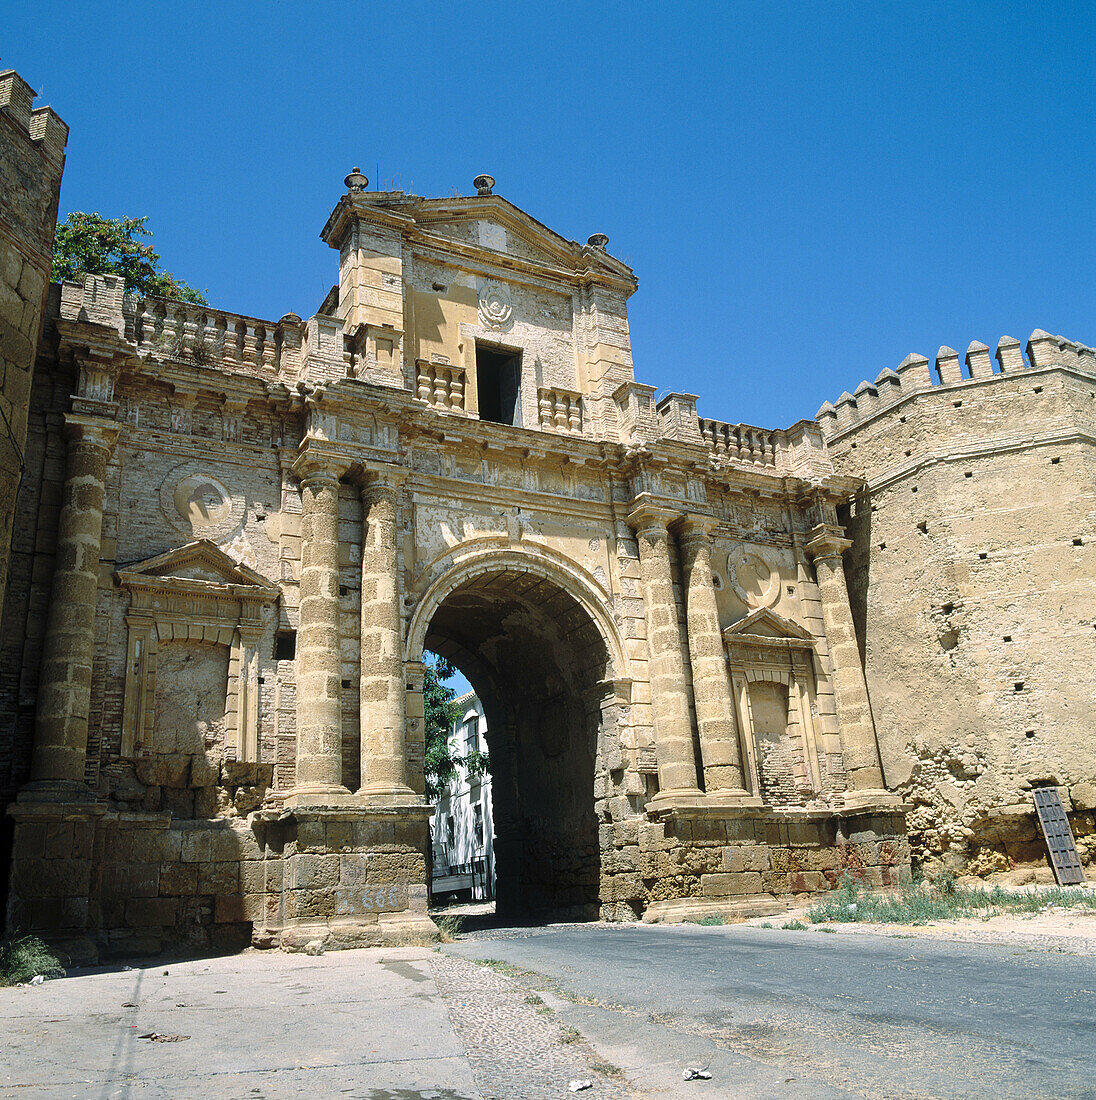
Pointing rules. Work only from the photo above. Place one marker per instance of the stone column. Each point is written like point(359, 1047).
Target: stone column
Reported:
point(669, 692)
point(858, 744)
point(319, 700)
point(715, 715)
point(385, 776)
point(64, 693)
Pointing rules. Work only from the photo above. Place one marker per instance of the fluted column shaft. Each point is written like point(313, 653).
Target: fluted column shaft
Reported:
point(319, 700)
point(858, 743)
point(64, 694)
point(712, 699)
point(669, 687)
point(385, 773)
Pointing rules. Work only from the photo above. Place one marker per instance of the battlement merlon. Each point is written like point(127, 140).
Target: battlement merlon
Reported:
point(913, 376)
point(42, 125)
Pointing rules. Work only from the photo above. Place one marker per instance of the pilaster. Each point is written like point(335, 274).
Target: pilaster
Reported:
point(64, 694)
point(319, 700)
point(385, 771)
point(859, 747)
point(715, 712)
point(669, 687)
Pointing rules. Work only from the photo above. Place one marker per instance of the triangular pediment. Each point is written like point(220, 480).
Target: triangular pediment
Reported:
point(200, 560)
point(492, 222)
point(764, 623)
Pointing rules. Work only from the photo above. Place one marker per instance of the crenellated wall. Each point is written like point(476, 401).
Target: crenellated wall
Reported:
point(973, 584)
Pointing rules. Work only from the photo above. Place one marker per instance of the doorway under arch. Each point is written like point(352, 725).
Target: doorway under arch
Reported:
point(537, 656)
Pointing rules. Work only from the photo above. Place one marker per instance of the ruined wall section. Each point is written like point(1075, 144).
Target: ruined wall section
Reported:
point(973, 585)
point(32, 159)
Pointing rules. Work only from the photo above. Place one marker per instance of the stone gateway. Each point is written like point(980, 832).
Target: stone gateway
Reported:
point(236, 538)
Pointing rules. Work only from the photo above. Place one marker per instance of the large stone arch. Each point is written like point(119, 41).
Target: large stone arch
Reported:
point(538, 643)
point(469, 560)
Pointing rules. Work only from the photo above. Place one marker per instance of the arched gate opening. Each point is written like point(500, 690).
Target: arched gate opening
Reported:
point(538, 661)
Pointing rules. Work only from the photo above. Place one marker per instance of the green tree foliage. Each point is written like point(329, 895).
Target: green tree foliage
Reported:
point(441, 712)
point(89, 244)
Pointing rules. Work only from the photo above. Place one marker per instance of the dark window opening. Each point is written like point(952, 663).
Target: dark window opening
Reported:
point(498, 374)
point(285, 645)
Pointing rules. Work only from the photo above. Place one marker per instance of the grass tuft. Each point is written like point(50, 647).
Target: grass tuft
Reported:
point(940, 899)
point(709, 920)
point(449, 928)
point(794, 926)
point(22, 957)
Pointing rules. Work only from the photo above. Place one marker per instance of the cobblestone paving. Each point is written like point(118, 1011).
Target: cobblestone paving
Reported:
point(514, 1044)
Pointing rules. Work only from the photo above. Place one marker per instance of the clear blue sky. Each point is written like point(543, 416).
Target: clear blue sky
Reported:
point(807, 192)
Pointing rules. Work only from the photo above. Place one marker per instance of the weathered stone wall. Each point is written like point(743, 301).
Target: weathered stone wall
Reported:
point(746, 863)
point(973, 586)
point(288, 515)
point(32, 158)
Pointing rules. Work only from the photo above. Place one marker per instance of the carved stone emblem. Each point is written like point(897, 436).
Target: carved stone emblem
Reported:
point(495, 307)
point(199, 504)
point(755, 580)
point(203, 501)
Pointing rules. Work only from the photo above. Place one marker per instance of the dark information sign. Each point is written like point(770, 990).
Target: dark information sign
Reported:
point(1059, 836)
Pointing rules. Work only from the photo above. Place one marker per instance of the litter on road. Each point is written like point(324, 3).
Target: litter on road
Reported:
point(692, 1074)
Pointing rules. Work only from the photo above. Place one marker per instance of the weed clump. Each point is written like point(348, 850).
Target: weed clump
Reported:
point(23, 957)
point(940, 899)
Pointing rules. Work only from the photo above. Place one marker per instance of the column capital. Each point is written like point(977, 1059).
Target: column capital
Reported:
point(92, 430)
point(648, 514)
point(827, 541)
point(315, 464)
point(696, 526)
point(380, 479)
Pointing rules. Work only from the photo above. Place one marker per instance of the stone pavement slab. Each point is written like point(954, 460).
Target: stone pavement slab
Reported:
point(361, 1024)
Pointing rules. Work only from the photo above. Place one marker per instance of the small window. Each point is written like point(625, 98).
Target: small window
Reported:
point(477, 823)
point(471, 735)
point(450, 831)
point(285, 645)
point(498, 381)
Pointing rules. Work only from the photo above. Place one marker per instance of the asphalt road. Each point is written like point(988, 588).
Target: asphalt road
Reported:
point(800, 1015)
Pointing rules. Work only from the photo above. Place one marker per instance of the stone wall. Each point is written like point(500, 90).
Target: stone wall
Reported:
point(244, 536)
point(973, 585)
point(32, 158)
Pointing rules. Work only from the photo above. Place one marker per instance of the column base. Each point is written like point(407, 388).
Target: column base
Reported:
point(868, 800)
point(318, 794)
point(675, 798)
point(385, 795)
point(59, 792)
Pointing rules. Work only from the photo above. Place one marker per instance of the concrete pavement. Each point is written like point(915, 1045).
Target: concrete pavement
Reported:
point(804, 1014)
point(794, 1015)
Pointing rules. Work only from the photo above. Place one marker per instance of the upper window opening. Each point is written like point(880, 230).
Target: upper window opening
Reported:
point(498, 378)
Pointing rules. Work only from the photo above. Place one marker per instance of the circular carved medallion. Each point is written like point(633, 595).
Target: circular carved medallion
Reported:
point(755, 580)
point(199, 504)
point(495, 306)
point(202, 501)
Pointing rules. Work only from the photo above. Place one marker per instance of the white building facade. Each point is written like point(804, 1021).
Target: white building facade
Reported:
point(463, 832)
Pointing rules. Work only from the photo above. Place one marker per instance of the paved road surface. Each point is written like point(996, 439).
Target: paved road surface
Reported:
point(810, 1015)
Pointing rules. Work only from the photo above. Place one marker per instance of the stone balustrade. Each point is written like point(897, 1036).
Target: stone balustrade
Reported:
point(757, 446)
point(195, 333)
point(560, 410)
point(442, 385)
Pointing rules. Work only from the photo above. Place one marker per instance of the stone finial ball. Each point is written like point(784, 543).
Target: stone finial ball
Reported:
point(483, 184)
point(597, 240)
point(356, 181)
